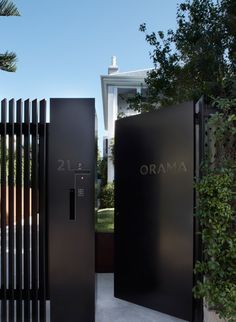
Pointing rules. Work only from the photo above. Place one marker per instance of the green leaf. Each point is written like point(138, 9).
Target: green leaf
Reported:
point(8, 62)
point(7, 8)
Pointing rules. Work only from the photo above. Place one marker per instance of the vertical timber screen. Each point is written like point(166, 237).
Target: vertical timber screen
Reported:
point(23, 211)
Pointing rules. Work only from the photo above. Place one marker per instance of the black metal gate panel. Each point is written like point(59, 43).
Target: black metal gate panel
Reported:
point(23, 211)
point(154, 208)
point(71, 171)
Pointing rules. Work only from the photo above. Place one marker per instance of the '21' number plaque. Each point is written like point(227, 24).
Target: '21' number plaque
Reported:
point(68, 165)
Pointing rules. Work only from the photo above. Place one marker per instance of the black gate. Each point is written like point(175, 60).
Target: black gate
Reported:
point(47, 186)
point(23, 210)
point(157, 156)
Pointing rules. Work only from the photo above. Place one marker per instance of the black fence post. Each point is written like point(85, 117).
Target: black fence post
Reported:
point(3, 211)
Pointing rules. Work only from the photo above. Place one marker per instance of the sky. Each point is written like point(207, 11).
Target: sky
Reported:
point(63, 47)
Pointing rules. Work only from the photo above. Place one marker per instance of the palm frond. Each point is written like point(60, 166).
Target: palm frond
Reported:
point(7, 8)
point(8, 62)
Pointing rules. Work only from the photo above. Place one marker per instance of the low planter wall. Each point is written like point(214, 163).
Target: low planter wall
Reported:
point(104, 252)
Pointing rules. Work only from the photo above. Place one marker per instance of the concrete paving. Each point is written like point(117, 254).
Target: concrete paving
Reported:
point(110, 309)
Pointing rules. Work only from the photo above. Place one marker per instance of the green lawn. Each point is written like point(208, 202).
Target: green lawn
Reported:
point(105, 220)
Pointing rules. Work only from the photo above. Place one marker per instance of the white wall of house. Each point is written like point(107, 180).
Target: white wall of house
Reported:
point(112, 110)
point(116, 88)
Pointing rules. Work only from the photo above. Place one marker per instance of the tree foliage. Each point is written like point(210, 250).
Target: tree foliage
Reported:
point(8, 8)
point(8, 59)
point(102, 169)
point(107, 196)
point(8, 62)
point(198, 58)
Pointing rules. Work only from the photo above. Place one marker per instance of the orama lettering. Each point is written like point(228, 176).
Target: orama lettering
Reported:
point(162, 168)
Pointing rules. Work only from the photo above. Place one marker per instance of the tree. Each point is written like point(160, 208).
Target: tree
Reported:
point(8, 59)
point(198, 58)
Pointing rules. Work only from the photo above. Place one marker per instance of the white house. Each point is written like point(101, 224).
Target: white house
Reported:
point(116, 89)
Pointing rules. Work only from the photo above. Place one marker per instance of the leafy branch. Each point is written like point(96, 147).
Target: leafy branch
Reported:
point(8, 8)
point(8, 62)
point(8, 59)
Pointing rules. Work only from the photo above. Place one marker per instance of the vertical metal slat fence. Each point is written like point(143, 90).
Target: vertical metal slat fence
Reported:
point(23, 211)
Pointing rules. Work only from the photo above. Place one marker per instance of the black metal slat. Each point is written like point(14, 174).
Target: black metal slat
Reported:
point(3, 212)
point(19, 212)
point(34, 212)
point(42, 210)
point(11, 198)
point(27, 212)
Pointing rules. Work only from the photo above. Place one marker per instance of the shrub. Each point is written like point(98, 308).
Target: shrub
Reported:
point(219, 243)
point(217, 214)
point(107, 196)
